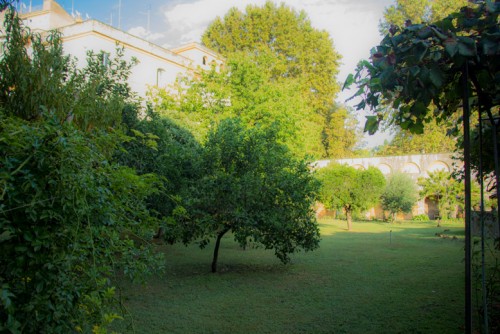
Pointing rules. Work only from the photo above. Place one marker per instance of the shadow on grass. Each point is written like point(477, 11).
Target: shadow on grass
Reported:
point(356, 282)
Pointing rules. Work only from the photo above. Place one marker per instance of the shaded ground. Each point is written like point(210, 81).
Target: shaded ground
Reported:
point(369, 280)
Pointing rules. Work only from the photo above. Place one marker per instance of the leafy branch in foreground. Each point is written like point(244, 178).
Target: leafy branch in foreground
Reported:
point(416, 70)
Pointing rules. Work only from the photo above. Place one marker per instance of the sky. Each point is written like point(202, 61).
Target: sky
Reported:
point(352, 24)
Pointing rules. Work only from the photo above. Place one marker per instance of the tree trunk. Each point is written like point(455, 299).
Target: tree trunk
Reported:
point(216, 250)
point(348, 214)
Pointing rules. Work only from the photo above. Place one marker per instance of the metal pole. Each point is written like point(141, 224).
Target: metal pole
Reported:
point(467, 169)
point(483, 236)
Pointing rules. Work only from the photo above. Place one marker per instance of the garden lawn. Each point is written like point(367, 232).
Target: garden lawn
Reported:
point(369, 280)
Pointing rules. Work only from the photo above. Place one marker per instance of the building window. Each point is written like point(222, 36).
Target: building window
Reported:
point(159, 71)
point(105, 59)
point(204, 60)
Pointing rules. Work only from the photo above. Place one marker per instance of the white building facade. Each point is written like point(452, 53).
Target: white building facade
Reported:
point(157, 66)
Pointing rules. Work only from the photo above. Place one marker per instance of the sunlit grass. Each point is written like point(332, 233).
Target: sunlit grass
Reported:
point(369, 280)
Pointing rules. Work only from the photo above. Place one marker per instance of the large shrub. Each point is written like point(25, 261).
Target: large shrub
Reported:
point(68, 212)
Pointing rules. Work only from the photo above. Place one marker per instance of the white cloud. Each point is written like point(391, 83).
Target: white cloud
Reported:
point(142, 32)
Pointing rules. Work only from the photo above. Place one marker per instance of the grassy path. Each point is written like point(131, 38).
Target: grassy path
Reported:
point(368, 280)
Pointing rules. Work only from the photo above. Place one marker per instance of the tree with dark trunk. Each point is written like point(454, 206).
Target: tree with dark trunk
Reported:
point(253, 187)
point(352, 190)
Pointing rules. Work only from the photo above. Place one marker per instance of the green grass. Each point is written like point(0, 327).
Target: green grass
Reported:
point(364, 281)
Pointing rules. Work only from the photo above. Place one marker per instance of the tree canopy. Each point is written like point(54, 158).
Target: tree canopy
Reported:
point(254, 188)
point(433, 138)
point(284, 46)
point(400, 194)
point(349, 189)
point(441, 187)
point(242, 90)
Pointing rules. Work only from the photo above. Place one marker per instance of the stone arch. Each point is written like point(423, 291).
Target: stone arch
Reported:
point(438, 165)
point(411, 168)
point(385, 168)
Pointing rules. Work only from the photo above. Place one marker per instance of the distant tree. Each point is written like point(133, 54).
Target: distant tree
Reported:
point(400, 194)
point(283, 44)
point(441, 187)
point(349, 189)
point(341, 134)
point(418, 11)
point(253, 187)
point(434, 139)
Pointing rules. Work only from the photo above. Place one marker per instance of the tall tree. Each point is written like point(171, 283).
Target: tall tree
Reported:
point(285, 45)
point(242, 90)
point(254, 188)
point(349, 189)
point(400, 194)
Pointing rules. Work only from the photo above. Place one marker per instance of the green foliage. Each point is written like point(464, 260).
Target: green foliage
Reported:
point(158, 145)
point(68, 212)
point(253, 187)
point(287, 44)
point(242, 90)
point(420, 218)
point(400, 194)
point(434, 139)
point(284, 46)
point(417, 12)
point(417, 71)
point(441, 187)
point(419, 67)
point(349, 189)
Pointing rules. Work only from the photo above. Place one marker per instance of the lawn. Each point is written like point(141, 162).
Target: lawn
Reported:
point(369, 280)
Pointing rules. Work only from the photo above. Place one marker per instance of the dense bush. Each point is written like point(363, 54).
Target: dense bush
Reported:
point(420, 218)
point(68, 211)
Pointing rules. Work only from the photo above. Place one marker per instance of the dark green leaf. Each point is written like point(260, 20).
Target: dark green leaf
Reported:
point(348, 81)
point(425, 32)
point(451, 46)
point(466, 46)
point(439, 34)
point(436, 77)
point(371, 124)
